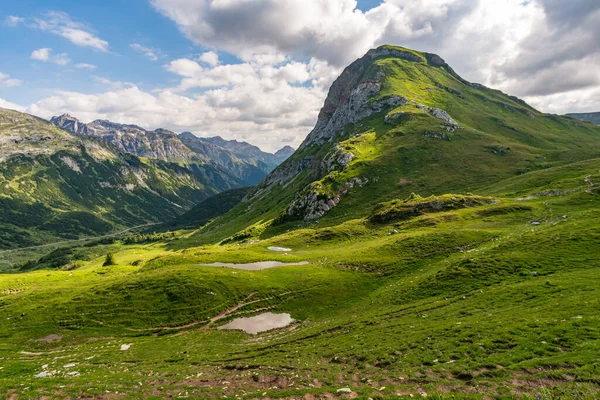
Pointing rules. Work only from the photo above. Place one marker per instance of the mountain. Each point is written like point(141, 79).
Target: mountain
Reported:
point(398, 121)
point(283, 154)
point(436, 239)
point(240, 159)
point(160, 144)
point(590, 117)
point(208, 209)
point(248, 151)
point(55, 184)
point(248, 169)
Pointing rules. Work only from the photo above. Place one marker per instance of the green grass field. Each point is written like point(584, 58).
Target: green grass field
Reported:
point(467, 302)
point(466, 267)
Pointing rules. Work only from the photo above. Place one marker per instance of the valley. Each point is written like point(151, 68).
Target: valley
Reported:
point(430, 238)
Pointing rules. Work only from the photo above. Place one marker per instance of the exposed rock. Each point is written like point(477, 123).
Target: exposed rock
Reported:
point(393, 119)
point(344, 390)
point(336, 160)
point(436, 135)
point(312, 203)
point(499, 149)
point(440, 114)
point(160, 144)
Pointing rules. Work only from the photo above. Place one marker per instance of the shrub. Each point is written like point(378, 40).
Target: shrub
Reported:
point(110, 260)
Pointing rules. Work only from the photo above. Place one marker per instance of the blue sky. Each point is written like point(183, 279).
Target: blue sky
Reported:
point(260, 70)
point(119, 22)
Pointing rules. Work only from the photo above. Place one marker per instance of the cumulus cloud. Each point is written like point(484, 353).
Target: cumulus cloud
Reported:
point(6, 81)
point(289, 52)
point(148, 52)
point(518, 46)
point(252, 102)
point(11, 106)
point(210, 57)
point(45, 55)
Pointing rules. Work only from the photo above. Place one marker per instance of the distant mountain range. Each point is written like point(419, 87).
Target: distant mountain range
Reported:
point(90, 179)
point(241, 159)
point(590, 117)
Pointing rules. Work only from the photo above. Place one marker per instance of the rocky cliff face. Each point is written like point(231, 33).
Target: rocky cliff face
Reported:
point(240, 159)
point(160, 144)
point(353, 97)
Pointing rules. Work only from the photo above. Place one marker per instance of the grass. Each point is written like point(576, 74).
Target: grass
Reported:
point(465, 302)
point(465, 268)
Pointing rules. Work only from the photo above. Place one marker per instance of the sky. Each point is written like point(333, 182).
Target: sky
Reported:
point(259, 70)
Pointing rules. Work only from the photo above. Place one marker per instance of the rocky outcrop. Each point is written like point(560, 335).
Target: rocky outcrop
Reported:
point(160, 144)
point(336, 160)
point(313, 203)
point(437, 135)
point(449, 124)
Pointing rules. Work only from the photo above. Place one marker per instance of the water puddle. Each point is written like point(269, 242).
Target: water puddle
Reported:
point(255, 266)
point(275, 248)
point(260, 323)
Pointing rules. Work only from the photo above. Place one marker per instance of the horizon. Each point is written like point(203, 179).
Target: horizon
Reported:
point(264, 83)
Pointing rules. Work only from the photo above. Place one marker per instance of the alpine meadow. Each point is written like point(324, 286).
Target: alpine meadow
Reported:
point(397, 231)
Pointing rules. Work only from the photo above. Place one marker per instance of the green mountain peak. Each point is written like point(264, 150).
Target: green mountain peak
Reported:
point(398, 121)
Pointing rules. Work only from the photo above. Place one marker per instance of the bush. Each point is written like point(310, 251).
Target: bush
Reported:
point(110, 260)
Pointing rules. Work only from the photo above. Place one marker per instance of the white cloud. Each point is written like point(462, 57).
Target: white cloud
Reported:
point(45, 55)
point(210, 57)
point(41, 54)
point(249, 102)
point(11, 106)
point(61, 24)
point(515, 45)
point(148, 52)
point(290, 51)
point(6, 81)
point(85, 66)
point(12, 20)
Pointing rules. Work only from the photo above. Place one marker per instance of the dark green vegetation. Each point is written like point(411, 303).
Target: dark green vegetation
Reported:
point(590, 117)
point(54, 185)
point(460, 264)
point(213, 207)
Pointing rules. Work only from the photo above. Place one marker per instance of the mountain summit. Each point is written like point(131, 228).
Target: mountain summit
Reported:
point(398, 121)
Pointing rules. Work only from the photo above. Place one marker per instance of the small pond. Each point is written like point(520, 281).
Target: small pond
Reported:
point(260, 323)
point(255, 266)
point(275, 248)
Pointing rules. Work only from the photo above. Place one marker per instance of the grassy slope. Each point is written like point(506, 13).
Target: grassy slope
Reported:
point(461, 302)
point(502, 137)
point(452, 301)
point(209, 209)
point(81, 187)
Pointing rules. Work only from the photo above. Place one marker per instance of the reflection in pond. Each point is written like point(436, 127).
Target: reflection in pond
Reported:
point(255, 266)
point(260, 323)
